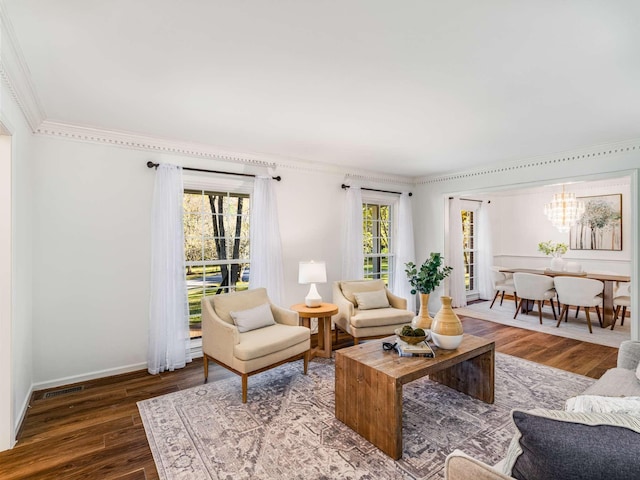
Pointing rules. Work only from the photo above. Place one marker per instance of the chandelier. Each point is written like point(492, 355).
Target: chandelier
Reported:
point(564, 210)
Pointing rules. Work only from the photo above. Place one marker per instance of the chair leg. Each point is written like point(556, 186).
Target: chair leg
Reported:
point(494, 298)
point(624, 313)
point(307, 355)
point(519, 308)
point(586, 312)
point(205, 363)
point(515, 297)
point(577, 311)
point(540, 311)
point(553, 309)
point(244, 387)
point(336, 330)
point(501, 297)
point(599, 316)
point(563, 312)
point(355, 341)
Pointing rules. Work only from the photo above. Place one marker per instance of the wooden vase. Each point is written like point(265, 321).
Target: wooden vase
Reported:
point(423, 320)
point(446, 329)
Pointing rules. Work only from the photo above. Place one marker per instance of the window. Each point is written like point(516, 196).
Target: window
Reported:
point(216, 243)
point(469, 250)
point(377, 233)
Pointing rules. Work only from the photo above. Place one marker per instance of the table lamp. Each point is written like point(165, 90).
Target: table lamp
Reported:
point(312, 272)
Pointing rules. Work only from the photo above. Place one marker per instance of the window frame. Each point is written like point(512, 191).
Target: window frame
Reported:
point(471, 206)
point(391, 201)
point(196, 183)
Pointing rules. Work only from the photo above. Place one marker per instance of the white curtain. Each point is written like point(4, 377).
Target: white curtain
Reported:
point(405, 252)
point(266, 246)
point(169, 344)
point(457, 290)
point(352, 254)
point(485, 252)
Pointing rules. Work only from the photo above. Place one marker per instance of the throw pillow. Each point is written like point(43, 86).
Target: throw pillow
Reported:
point(371, 300)
point(601, 404)
point(351, 287)
point(253, 318)
point(558, 444)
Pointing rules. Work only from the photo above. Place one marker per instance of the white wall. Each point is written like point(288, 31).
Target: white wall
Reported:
point(16, 341)
point(522, 225)
point(585, 164)
point(92, 207)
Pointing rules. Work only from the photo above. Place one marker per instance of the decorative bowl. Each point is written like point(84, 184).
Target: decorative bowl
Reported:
point(410, 340)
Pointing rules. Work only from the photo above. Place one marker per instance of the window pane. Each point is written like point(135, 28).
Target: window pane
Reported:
point(216, 229)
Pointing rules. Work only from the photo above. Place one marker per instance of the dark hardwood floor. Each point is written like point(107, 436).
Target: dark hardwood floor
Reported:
point(97, 433)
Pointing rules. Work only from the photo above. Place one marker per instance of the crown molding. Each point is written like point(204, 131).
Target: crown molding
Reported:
point(16, 76)
point(175, 147)
point(596, 151)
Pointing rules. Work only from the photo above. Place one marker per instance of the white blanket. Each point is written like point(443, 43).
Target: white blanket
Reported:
point(598, 404)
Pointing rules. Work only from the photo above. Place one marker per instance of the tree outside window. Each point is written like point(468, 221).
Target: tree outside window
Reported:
point(216, 236)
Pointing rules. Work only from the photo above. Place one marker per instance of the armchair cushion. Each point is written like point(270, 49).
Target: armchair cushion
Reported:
point(381, 317)
point(372, 300)
point(349, 288)
point(253, 318)
point(558, 444)
point(258, 343)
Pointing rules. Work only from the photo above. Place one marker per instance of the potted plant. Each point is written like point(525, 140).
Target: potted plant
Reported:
point(424, 281)
point(556, 250)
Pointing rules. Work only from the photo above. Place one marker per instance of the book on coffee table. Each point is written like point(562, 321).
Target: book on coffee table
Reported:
point(421, 349)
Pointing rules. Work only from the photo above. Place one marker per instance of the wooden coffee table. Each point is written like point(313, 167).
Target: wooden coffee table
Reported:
point(369, 384)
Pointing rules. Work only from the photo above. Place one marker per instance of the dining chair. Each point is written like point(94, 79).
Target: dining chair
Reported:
point(502, 284)
point(579, 292)
point(622, 298)
point(536, 288)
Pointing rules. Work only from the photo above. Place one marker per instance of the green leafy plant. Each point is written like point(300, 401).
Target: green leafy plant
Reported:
point(553, 248)
point(429, 276)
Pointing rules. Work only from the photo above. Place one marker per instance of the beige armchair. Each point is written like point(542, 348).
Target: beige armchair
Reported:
point(361, 321)
point(255, 350)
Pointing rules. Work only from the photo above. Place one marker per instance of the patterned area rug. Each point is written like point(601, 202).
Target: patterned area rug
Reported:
point(288, 430)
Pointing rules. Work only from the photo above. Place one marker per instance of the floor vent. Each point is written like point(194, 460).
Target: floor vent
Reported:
point(64, 391)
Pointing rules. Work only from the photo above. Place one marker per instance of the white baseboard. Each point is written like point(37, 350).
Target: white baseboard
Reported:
point(23, 413)
point(88, 376)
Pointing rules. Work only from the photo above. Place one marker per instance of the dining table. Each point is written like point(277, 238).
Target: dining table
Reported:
point(608, 279)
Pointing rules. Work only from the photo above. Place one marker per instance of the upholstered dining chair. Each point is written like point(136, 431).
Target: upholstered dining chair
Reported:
point(579, 292)
point(367, 309)
point(503, 284)
point(247, 334)
point(536, 288)
point(621, 298)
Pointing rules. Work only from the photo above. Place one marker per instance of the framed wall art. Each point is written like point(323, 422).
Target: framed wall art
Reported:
point(600, 226)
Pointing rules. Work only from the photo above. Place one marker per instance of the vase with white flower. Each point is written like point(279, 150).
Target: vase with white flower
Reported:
point(556, 250)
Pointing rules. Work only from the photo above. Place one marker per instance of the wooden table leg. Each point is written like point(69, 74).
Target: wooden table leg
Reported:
point(607, 311)
point(324, 337)
point(475, 377)
point(370, 403)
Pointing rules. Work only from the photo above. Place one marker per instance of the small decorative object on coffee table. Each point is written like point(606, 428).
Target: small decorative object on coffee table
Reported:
point(446, 329)
point(425, 281)
point(411, 335)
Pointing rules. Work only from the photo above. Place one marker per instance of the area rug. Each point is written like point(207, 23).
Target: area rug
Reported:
point(575, 328)
point(288, 429)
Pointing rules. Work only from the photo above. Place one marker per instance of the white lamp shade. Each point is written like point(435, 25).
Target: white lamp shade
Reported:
point(312, 272)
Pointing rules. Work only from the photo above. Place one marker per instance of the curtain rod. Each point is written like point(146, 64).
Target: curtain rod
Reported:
point(150, 164)
point(376, 190)
point(471, 200)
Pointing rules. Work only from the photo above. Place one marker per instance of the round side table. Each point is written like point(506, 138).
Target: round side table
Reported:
point(323, 313)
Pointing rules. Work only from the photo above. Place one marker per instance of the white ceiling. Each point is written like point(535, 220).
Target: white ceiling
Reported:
point(411, 87)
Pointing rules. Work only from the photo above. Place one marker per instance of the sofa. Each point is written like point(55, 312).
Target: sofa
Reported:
point(601, 442)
